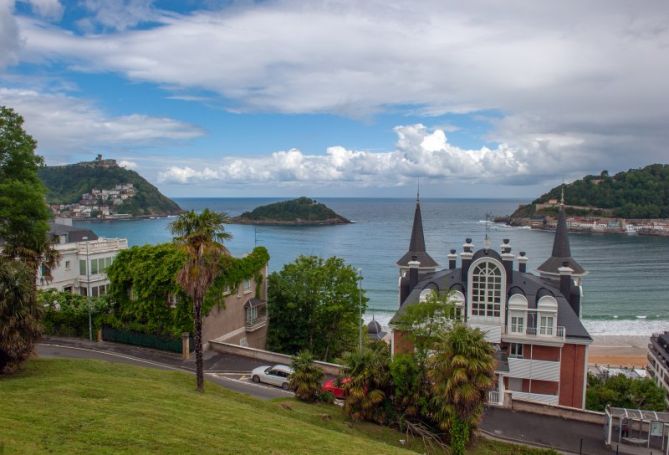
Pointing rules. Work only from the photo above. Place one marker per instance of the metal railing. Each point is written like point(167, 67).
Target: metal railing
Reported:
point(538, 332)
point(493, 398)
point(256, 323)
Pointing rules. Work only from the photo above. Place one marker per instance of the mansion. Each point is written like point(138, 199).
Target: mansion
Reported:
point(533, 321)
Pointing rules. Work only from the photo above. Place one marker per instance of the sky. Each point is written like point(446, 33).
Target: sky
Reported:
point(342, 98)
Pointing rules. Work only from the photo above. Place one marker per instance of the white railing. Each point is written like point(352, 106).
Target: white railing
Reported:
point(256, 323)
point(537, 332)
point(536, 397)
point(102, 245)
point(493, 398)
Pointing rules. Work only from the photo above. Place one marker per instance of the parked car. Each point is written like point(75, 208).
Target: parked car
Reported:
point(275, 375)
point(336, 387)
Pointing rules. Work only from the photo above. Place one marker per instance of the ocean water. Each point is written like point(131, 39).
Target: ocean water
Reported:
point(626, 290)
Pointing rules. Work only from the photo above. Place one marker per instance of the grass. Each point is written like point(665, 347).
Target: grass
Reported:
point(82, 406)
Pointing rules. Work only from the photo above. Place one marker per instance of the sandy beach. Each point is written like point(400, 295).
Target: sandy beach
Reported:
point(619, 350)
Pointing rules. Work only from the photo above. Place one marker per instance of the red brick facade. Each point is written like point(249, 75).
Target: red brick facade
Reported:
point(401, 343)
point(572, 375)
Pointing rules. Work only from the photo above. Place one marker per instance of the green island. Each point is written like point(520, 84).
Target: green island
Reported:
point(114, 408)
point(302, 211)
point(633, 194)
point(102, 189)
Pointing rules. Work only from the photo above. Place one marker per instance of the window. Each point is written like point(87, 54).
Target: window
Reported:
point(516, 350)
point(486, 290)
point(546, 327)
point(67, 265)
point(247, 285)
point(82, 291)
point(82, 267)
point(94, 291)
point(251, 314)
point(94, 266)
point(108, 261)
point(517, 324)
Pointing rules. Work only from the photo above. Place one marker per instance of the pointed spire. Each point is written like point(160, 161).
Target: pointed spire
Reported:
point(417, 243)
point(562, 196)
point(561, 254)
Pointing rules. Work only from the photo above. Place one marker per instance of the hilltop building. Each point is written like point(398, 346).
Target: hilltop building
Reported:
point(84, 258)
point(533, 321)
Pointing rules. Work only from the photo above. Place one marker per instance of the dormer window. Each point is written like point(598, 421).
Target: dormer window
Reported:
point(547, 313)
point(518, 313)
point(486, 287)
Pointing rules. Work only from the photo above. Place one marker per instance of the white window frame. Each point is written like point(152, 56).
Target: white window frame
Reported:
point(516, 354)
point(486, 292)
point(546, 328)
point(517, 323)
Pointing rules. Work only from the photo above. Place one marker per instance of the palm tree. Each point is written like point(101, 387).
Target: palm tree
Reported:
point(19, 314)
point(462, 372)
point(306, 377)
point(200, 236)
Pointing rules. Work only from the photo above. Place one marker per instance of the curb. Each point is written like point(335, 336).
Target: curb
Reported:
point(488, 435)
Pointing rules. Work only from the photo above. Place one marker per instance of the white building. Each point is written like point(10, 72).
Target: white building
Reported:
point(658, 360)
point(84, 258)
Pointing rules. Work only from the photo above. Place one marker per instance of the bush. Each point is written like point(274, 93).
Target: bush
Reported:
point(306, 377)
point(66, 314)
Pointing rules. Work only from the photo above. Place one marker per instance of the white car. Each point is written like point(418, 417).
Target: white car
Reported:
point(276, 375)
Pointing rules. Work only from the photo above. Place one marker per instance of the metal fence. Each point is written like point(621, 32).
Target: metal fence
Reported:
point(162, 343)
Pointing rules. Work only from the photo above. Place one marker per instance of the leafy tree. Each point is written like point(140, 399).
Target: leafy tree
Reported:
point(66, 314)
point(370, 388)
point(411, 396)
point(316, 305)
point(306, 378)
point(621, 391)
point(19, 314)
point(200, 236)
point(462, 371)
point(24, 214)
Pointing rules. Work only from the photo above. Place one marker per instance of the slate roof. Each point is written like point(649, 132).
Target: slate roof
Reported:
point(73, 234)
point(532, 286)
point(417, 244)
point(561, 251)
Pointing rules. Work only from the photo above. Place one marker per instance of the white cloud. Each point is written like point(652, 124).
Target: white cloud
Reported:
point(64, 125)
point(128, 164)
point(420, 152)
point(117, 14)
point(590, 73)
point(48, 9)
point(9, 34)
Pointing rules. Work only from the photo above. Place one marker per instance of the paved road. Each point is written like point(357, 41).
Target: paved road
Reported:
point(54, 349)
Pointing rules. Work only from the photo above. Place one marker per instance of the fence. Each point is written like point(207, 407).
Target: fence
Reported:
point(162, 343)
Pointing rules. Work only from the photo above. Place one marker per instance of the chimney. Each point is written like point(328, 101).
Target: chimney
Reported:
point(452, 259)
point(566, 286)
point(466, 257)
point(413, 273)
point(507, 260)
point(522, 262)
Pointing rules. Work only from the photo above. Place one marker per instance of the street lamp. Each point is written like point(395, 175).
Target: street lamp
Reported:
point(360, 309)
point(88, 291)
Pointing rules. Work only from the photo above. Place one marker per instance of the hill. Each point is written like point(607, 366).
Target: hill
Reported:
point(85, 406)
point(636, 193)
point(301, 211)
point(100, 186)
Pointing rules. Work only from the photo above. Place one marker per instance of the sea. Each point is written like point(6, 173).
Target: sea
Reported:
point(626, 291)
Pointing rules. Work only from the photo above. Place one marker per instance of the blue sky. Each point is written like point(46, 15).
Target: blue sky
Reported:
point(282, 98)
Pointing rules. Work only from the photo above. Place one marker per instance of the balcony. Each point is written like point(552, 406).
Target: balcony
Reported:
point(257, 323)
point(541, 333)
point(536, 397)
point(543, 370)
point(102, 245)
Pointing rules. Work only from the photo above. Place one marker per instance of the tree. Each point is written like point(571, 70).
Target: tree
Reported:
point(461, 372)
point(24, 214)
point(370, 387)
point(306, 377)
point(623, 392)
point(200, 237)
point(316, 305)
point(19, 314)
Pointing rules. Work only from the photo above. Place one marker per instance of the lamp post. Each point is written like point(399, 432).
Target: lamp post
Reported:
point(360, 309)
point(88, 291)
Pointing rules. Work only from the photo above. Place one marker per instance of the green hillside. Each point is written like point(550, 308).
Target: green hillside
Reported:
point(85, 406)
point(297, 211)
point(66, 185)
point(636, 193)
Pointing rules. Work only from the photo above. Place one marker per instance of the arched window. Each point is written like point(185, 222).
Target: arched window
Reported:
point(486, 290)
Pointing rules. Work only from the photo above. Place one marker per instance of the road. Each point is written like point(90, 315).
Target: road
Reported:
point(54, 350)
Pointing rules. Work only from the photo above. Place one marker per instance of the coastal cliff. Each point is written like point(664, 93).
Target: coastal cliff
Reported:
point(297, 212)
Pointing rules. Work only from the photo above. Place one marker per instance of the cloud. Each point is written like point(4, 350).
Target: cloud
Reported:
point(48, 9)
point(64, 125)
point(9, 34)
point(127, 164)
point(117, 14)
point(420, 152)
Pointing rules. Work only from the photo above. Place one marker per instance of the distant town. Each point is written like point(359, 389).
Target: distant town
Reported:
point(98, 203)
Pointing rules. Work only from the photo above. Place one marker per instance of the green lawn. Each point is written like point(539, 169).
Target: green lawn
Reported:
point(77, 406)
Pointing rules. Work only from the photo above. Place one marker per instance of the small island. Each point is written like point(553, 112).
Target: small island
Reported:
point(302, 211)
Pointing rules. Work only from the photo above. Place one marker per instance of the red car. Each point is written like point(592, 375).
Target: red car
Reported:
point(334, 386)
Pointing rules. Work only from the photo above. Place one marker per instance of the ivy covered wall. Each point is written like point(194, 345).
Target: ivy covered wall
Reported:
point(145, 295)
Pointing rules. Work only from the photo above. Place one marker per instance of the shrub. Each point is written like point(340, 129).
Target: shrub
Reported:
point(306, 377)
point(66, 314)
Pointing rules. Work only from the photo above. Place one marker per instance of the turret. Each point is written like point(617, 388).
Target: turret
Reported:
point(561, 252)
point(417, 246)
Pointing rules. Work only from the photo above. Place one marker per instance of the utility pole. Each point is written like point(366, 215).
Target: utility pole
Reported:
point(88, 291)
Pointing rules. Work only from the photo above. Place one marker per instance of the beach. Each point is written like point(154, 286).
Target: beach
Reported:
point(619, 350)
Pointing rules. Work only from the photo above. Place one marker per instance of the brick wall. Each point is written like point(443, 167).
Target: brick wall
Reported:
point(401, 343)
point(572, 374)
point(545, 353)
